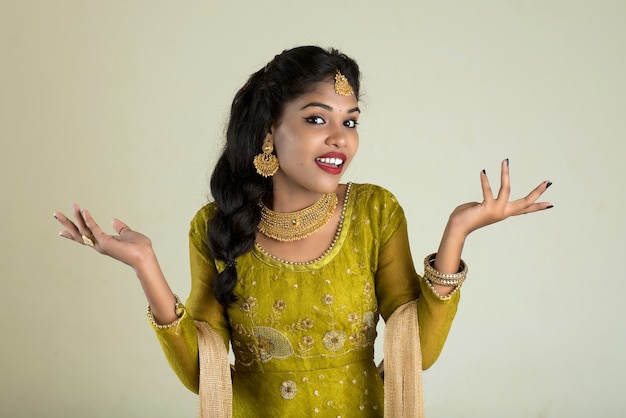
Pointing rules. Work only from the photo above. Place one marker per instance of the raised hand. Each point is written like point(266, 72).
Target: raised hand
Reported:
point(128, 246)
point(474, 215)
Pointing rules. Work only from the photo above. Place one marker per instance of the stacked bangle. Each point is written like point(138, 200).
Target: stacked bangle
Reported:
point(179, 309)
point(431, 274)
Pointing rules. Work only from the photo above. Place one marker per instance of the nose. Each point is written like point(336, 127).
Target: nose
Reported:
point(337, 136)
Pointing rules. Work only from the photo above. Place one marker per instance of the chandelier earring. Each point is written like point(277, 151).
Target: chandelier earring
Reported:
point(266, 163)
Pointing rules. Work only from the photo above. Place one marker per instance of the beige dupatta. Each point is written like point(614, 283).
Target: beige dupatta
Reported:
point(403, 368)
point(215, 394)
point(403, 364)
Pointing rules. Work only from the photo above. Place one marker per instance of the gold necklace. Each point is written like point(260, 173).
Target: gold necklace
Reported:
point(293, 226)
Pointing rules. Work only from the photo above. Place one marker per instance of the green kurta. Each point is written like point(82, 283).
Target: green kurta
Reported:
point(303, 335)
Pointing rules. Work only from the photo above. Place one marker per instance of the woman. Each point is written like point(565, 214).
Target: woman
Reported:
point(292, 267)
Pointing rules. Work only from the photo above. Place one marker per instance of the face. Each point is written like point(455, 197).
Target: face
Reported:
point(315, 140)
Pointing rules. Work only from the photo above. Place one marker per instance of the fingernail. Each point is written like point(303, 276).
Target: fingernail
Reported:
point(507, 162)
point(550, 207)
point(484, 172)
point(548, 184)
point(54, 215)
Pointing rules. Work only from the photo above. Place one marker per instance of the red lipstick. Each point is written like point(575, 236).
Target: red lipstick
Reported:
point(331, 162)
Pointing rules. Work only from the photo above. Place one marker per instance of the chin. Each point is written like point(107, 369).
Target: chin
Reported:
point(329, 186)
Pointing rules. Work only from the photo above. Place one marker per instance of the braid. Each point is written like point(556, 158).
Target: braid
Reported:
point(237, 188)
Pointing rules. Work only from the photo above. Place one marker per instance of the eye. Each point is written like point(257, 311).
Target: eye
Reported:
point(316, 120)
point(350, 123)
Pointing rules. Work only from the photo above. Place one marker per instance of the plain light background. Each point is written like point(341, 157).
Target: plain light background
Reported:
point(120, 106)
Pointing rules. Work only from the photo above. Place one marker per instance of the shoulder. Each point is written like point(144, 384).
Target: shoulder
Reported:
point(378, 206)
point(200, 221)
point(373, 197)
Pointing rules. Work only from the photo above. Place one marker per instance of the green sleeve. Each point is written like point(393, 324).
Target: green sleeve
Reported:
point(180, 342)
point(398, 283)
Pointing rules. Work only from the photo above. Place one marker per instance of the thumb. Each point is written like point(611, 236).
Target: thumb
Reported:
point(120, 227)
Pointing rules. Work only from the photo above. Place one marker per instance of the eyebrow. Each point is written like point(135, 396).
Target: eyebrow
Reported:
point(325, 106)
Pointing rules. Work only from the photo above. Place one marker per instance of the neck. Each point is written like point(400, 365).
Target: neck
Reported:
point(284, 201)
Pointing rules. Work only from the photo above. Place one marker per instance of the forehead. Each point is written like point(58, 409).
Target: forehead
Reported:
point(324, 92)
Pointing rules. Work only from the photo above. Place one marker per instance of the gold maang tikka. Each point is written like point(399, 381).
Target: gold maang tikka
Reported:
point(342, 85)
point(266, 164)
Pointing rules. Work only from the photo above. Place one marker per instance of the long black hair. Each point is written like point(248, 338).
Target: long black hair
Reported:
point(236, 187)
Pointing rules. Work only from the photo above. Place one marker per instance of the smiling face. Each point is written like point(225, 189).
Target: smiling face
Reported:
point(315, 141)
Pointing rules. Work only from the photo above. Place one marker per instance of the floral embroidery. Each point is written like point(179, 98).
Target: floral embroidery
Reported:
point(334, 340)
point(353, 317)
point(249, 304)
point(306, 344)
point(239, 329)
point(301, 325)
point(368, 288)
point(328, 299)
point(307, 323)
point(288, 389)
point(280, 305)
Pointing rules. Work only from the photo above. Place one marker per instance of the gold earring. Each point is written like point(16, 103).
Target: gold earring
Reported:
point(266, 164)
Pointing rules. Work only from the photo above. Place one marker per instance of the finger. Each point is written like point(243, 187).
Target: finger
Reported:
point(535, 207)
point(505, 182)
point(520, 206)
point(484, 182)
point(71, 230)
point(80, 221)
point(120, 227)
point(94, 229)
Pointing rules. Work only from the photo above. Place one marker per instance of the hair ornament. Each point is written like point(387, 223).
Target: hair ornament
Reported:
point(342, 85)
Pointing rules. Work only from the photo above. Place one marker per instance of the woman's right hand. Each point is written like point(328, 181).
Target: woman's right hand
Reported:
point(128, 246)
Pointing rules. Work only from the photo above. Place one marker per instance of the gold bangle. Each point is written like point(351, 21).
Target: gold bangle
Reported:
point(443, 279)
point(439, 296)
point(179, 309)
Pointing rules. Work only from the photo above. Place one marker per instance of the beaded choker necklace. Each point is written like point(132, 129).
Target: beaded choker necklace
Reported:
point(294, 226)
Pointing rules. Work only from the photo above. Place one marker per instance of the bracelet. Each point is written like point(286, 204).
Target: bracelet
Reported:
point(179, 309)
point(439, 296)
point(443, 279)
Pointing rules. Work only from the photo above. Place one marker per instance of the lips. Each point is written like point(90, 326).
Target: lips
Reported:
point(332, 162)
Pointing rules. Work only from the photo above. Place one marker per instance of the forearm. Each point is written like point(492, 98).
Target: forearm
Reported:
point(158, 293)
point(448, 257)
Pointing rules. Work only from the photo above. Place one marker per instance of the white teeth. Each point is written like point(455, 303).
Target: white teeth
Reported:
point(335, 161)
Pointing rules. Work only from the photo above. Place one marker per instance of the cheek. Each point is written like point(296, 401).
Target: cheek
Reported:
point(290, 153)
point(355, 144)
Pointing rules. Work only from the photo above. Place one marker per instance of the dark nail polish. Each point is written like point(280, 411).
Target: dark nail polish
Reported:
point(507, 162)
point(549, 207)
point(484, 172)
point(548, 184)
point(54, 215)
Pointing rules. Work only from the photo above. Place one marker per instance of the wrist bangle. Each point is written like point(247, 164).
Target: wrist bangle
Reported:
point(179, 309)
point(439, 296)
point(443, 279)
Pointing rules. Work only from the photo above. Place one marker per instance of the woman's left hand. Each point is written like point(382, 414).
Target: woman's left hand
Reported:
point(473, 215)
